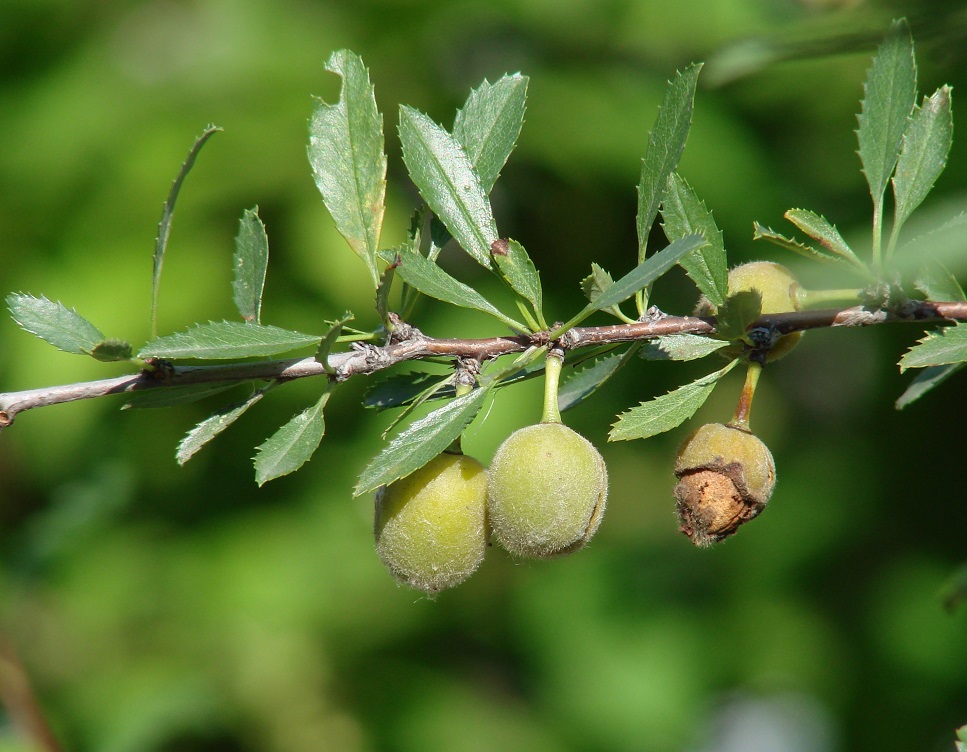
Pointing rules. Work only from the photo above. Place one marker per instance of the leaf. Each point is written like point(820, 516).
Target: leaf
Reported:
point(402, 388)
point(737, 314)
point(680, 347)
point(518, 270)
point(445, 177)
point(760, 232)
point(587, 380)
point(820, 229)
point(293, 445)
point(666, 412)
point(889, 96)
point(212, 426)
point(939, 347)
point(418, 271)
point(596, 282)
point(685, 214)
point(938, 284)
point(219, 340)
point(644, 274)
point(666, 142)
point(489, 123)
point(112, 351)
point(348, 160)
point(169, 396)
point(329, 339)
point(926, 380)
point(62, 327)
point(251, 262)
point(167, 215)
point(923, 156)
point(423, 440)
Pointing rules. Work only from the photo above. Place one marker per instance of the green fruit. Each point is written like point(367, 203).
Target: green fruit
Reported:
point(547, 491)
point(431, 526)
point(779, 291)
point(726, 476)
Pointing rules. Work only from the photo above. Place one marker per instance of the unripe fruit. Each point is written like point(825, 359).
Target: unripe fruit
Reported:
point(779, 291)
point(547, 491)
point(726, 476)
point(431, 526)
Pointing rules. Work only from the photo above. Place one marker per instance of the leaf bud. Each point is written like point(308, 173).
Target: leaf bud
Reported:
point(726, 476)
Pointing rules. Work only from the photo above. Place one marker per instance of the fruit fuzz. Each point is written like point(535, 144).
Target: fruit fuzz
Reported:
point(431, 526)
point(726, 476)
point(547, 491)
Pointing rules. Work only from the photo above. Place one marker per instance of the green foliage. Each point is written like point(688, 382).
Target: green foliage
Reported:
point(251, 262)
point(221, 340)
point(54, 323)
point(293, 444)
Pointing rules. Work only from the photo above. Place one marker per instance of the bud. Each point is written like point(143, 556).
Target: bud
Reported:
point(726, 476)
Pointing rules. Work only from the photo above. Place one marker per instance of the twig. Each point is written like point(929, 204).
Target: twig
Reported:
point(367, 359)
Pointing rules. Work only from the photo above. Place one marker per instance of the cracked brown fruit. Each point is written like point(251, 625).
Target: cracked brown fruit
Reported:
point(779, 291)
point(431, 526)
point(547, 491)
point(726, 476)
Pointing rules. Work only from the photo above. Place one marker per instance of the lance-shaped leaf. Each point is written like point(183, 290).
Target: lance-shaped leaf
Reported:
point(587, 380)
point(939, 347)
point(421, 273)
point(488, 125)
point(445, 177)
point(824, 232)
point(889, 95)
point(212, 426)
point(399, 389)
point(924, 153)
point(293, 445)
point(423, 440)
point(761, 232)
point(218, 340)
point(62, 327)
point(665, 145)
point(680, 347)
point(926, 380)
point(251, 262)
point(348, 160)
point(685, 214)
point(666, 412)
point(171, 396)
point(518, 270)
point(644, 274)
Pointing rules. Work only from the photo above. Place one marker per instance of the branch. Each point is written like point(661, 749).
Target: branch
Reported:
point(367, 359)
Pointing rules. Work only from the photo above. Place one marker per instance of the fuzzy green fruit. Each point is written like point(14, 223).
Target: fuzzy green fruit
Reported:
point(779, 291)
point(547, 491)
point(726, 476)
point(431, 526)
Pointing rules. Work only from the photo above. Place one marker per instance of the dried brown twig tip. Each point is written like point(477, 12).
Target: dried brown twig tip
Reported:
point(726, 476)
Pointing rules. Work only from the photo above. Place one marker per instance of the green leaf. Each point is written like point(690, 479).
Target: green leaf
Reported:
point(889, 96)
point(251, 261)
point(666, 142)
point(938, 284)
point(666, 412)
point(760, 232)
point(680, 347)
point(219, 340)
point(112, 351)
point(685, 214)
point(737, 314)
point(939, 347)
point(293, 445)
point(423, 440)
point(445, 177)
point(820, 229)
point(329, 339)
point(587, 380)
point(167, 215)
point(348, 160)
point(924, 154)
point(596, 282)
point(926, 380)
point(170, 396)
point(489, 123)
point(644, 274)
point(945, 244)
point(62, 327)
point(402, 388)
point(518, 270)
point(418, 271)
point(212, 426)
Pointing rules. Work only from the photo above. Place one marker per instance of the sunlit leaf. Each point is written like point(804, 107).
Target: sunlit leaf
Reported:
point(939, 347)
point(518, 270)
point(227, 339)
point(823, 231)
point(587, 379)
point(926, 380)
point(293, 445)
point(761, 232)
point(112, 351)
point(62, 327)
point(251, 262)
point(938, 284)
point(348, 160)
point(680, 347)
point(212, 426)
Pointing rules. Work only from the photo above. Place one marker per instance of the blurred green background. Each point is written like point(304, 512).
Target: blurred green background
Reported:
point(162, 609)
